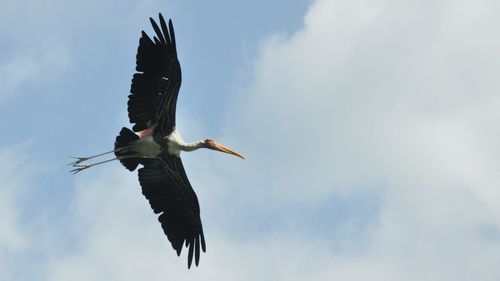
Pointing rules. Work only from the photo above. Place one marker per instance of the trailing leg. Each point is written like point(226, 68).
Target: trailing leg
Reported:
point(81, 167)
point(80, 159)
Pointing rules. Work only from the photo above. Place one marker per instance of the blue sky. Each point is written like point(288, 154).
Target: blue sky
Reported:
point(370, 130)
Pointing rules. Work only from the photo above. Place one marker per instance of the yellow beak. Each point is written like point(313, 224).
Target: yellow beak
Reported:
point(219, 147)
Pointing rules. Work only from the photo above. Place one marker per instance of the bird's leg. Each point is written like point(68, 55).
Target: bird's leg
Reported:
point(82, 159)
point(81, 167)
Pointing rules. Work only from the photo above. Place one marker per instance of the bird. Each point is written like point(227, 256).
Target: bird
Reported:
point(156, 145)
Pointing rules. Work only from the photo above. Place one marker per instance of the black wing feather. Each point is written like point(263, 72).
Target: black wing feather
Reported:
point(172, 36)
point(191, 251)
point(157, 30)
point(165, 185)
point(197, 251)
point(165, 31)
point(155, 87)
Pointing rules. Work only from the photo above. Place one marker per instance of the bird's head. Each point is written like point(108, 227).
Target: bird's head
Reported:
point(211, 144)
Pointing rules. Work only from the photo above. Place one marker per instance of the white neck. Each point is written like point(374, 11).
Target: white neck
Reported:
point(176, 144)
point(191, 146)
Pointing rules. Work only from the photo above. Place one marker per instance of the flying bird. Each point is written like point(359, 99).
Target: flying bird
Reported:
point(155, 143)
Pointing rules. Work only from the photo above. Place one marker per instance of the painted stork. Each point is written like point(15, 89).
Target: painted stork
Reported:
point(156, 144)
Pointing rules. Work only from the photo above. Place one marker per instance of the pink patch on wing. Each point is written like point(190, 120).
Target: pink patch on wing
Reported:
point(145, 133)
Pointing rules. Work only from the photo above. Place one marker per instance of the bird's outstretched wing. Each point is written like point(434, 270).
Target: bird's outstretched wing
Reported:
point(156, 85)
point(166, 186)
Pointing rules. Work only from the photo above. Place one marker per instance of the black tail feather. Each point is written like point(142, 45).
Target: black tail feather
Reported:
point(126, 138)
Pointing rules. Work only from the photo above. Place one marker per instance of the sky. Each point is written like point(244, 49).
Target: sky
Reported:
point(371, 131)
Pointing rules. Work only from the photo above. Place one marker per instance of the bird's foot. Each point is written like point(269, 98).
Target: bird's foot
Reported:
point(78, 160)
point(80, 167)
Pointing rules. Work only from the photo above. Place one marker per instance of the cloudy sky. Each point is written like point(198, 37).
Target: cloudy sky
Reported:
point(371, 131)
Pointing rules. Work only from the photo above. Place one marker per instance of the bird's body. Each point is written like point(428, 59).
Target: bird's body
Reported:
point(147, 146)
point(174, 144)
point(155, 143)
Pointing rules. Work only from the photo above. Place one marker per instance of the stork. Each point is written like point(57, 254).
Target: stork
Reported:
point(155, 143)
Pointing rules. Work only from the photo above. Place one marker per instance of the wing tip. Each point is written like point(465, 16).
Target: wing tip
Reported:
point(203, 244)
point(197, 251)
point(190, 254)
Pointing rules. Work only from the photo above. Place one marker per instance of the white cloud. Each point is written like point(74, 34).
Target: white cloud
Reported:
point(14, 172)
point(34, 50)
point(11, 237)
point(393, 98)
point(32, 69)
